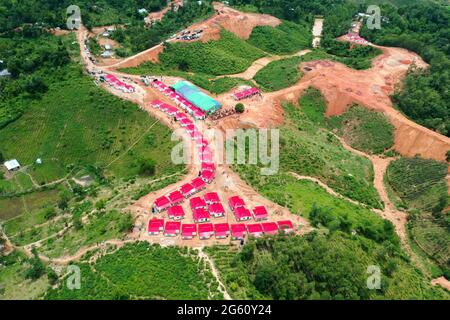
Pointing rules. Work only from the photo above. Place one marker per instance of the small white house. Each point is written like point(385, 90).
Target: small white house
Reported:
point(12, 165)
point(106, 54)
point(142, 11)
point(108, 47)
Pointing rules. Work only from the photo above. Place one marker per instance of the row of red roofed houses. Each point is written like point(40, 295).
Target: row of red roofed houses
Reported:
point(220, 230)
point(238, 206)
point(245, 94)
point(208, 169)
point(114, 82)
point(354, 37)
point(196, 112)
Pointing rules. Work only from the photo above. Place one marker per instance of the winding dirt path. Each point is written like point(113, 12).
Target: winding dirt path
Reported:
point(222, 288)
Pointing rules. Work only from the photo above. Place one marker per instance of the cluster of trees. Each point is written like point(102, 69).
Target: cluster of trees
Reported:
point(317, 266)
point(52, 13)
point(423, 27)
point(138, 37)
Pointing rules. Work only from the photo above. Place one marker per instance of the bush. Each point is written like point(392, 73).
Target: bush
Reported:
point(240, 108)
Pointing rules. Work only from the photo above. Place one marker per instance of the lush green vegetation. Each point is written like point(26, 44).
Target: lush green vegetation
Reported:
point(14, 283)
point(137, 37)
point(419, 186)
point(143, 271)
point(287, 38)
point(279, 74)
point(99, 227)
point(358, 57)
point(29, 204)
point(364, 129)
point(75, 123)
point(419, 183)
point(228, 55)
point(318, 266)
point(422, 27)
point(53, 13)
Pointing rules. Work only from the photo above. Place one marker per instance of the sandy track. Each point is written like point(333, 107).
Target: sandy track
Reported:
point(222, 288)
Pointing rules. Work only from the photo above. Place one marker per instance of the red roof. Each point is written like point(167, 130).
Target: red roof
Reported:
point(260, 212)
point(208, 166)
point(176, 211)
point(242, 213)
point(197, 202)
point(176, 197)
point(208, 176)
point(235, 202)
point(211, 197)
point(221, 229)
point(187, 189)
point(205, 228)
point(254, 228)
point(172, 227)
point(190, 128)
point(155, 225)
point(245, 93)
point(201, 214)
point(188, 230)
point(285, 224)
point(216, 208)
point(198, 184)
point(162, 202)
point(186, 122)
point(269, 227)
point(237, 230)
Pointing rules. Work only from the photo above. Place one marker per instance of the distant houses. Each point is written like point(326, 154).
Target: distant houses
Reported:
point(12, 165)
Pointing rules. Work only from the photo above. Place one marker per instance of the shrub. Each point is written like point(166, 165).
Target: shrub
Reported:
point(240, 108)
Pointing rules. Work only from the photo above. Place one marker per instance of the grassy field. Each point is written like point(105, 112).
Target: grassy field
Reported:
point(364, 129)
point(419, 183)
point(77, 123)
point(419, 186)
point(13, 283)
point(99, 227)
point(143, 271)
point(287, 38)
point(27, 204)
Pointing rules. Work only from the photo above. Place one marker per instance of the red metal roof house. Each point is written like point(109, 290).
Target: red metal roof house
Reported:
point(201, 215)
point(216, 210)
point(238, 231)
point(286, 226)
point(205, 231)
point(176, 213)
point(161, 204)
point(197, 203)
point(260, 213)
point(176, 197)
point(172, 228)
point(187, 190)
point(188, 231)
point(254, 230)
point(211, 197)
point(236, 202)
point(242, 214)
point(270, 228)
point(222, 230)
point(198, 184)
point(155, 226)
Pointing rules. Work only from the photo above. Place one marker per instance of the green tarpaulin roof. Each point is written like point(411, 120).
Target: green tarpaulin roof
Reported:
point(196, 97)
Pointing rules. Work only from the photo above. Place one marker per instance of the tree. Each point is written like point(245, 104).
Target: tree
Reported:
point(147, 167)
point(240, 108)
point(2, 158)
